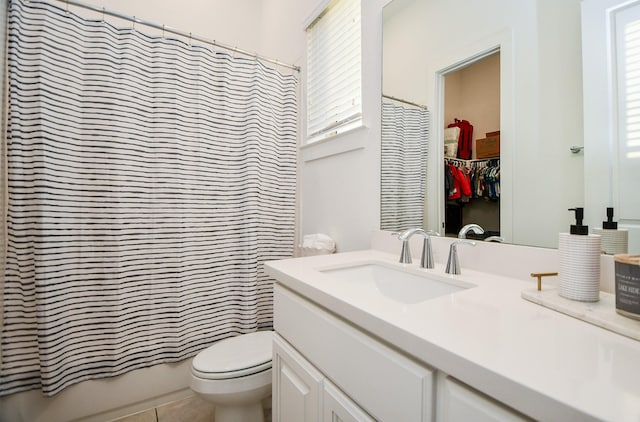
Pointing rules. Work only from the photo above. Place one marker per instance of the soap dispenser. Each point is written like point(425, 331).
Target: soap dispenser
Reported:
point(613, 240)
point(579, 271)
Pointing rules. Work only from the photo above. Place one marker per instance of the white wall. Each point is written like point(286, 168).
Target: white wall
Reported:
point(549, 179)
point(404, 62)
point(272, 28)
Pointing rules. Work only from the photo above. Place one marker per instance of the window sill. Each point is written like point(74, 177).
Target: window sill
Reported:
point(333, 145)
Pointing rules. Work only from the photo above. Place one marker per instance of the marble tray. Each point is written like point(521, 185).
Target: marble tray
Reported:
point(602, 313)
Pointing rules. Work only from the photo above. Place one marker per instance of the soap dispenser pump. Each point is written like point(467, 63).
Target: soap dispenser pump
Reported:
point(579, 228)
point(613, 241)
point(610, 224)
point(579, 270)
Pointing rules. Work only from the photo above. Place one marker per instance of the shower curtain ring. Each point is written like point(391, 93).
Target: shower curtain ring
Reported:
point(189, 38)
point(134, 23)
point(162, 31)
point(102, 14)
point(67, 7)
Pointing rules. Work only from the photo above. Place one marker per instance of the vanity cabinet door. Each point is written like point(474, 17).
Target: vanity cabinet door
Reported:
point(337, 407)
point(460, 403)
point(297, 386)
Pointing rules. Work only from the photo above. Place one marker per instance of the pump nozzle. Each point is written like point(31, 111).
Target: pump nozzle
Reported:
point(579, 228)
point(609, 224)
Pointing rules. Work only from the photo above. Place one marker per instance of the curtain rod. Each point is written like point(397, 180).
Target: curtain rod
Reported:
point(174, 31)
point(405, 101)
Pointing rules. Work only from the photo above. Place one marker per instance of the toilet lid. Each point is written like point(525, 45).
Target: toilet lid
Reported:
point(237, 356)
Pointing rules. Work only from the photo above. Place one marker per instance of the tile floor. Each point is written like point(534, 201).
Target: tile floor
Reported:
point(191, 409)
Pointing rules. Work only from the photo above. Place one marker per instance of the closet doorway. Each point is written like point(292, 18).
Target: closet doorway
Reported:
point(472, 178)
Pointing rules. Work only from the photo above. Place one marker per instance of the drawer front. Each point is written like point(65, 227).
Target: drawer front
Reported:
point(386, 384)
point(460, 403)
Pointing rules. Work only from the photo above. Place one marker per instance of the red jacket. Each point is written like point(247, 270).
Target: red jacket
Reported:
point(461, 183)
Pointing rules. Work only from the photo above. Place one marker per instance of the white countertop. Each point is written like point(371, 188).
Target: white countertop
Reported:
point(547, 365)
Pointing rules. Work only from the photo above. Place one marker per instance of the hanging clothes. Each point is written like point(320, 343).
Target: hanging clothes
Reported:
point(448, 181)
point(461, 185)
point(481, 176)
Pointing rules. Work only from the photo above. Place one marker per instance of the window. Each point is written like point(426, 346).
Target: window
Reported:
point(334, 76)
point(626, 163)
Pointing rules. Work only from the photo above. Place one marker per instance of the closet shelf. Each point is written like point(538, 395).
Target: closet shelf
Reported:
point(475, 160)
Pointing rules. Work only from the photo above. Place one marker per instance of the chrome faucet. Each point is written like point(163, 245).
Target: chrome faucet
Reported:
point(462, 234)
point(453, 263)
point(494, 239)
point(426, 260)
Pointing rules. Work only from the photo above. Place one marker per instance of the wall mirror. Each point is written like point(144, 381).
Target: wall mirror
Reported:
point(541, 106)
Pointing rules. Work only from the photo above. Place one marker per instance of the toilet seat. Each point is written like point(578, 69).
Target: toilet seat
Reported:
point(235, 357)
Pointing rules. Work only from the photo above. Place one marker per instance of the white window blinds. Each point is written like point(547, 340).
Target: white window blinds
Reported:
point(334, 74)
point(626, 166)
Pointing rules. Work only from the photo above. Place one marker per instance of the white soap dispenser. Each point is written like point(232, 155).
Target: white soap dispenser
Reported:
point(579, 271)
point(613, 240)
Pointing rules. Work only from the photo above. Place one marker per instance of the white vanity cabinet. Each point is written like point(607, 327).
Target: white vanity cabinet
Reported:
point(331, 356)
point(326, 369)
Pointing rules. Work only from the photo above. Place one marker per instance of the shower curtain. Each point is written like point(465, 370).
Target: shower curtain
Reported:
point(404, 152)
point(149, 180)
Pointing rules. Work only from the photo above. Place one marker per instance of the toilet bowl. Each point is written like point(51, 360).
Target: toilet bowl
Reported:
point(235, 375)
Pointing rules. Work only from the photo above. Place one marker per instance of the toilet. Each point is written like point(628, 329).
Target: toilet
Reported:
point(235, 375)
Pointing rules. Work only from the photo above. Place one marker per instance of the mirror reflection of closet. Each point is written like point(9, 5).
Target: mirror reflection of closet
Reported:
point(472, 93)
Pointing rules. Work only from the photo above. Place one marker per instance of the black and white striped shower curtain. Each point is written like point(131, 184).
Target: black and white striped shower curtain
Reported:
point(404, 152)
point(148, 182)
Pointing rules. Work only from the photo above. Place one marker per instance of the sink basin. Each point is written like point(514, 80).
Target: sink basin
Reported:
point(405, 286)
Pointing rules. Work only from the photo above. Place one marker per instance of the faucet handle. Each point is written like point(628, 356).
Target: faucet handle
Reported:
point(405, 254)
point(453, 263)
point(427, 260)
